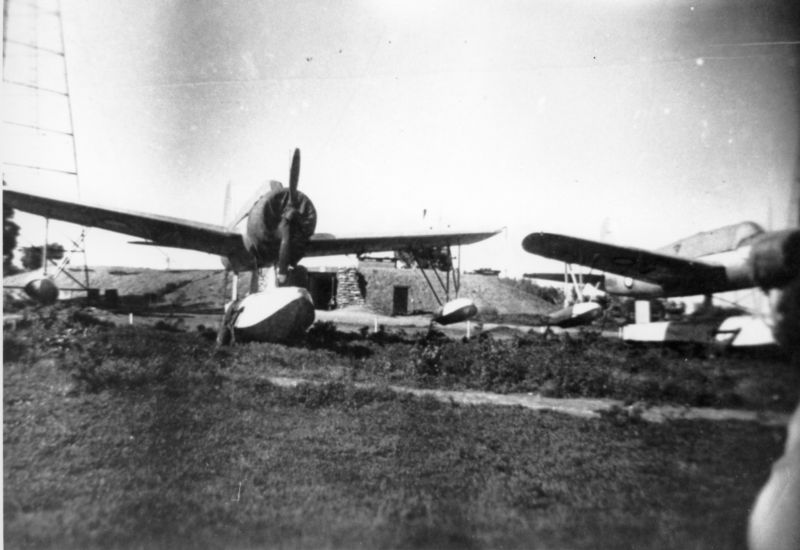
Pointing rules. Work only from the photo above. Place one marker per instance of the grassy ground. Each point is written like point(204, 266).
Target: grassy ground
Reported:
point(554, 366)
point(140, 438)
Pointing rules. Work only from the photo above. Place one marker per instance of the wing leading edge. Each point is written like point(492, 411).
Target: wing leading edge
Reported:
point(159, 230)
point(328, 245)
point(671, 272)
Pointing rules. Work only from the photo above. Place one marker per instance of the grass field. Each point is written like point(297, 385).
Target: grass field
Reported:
point(141, 438)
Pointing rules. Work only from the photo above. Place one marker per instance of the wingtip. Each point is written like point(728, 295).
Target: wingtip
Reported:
point(529, 241)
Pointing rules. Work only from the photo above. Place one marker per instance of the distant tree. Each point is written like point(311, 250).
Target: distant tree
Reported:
point(32, 255)
point(432, 257)
point(406, 258)
point(10, 234)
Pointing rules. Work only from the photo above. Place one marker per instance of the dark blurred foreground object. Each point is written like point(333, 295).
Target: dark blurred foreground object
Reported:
point(775, 520)
point(785, 304)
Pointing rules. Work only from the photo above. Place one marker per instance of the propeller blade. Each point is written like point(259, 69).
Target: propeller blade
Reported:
point(284, 252)
point(294, 176)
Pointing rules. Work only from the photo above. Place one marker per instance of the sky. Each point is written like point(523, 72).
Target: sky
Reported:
point(637, 122)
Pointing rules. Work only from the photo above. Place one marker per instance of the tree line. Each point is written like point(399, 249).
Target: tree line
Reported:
point(32, 256)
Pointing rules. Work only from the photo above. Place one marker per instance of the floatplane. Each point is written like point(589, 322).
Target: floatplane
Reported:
point(269, 236)
point(734, 257)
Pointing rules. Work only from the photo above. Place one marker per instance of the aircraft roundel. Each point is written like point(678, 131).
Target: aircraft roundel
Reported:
point(628, 282)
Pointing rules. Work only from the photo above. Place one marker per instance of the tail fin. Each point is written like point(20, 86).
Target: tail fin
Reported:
point(226, 205)
point(261, 190)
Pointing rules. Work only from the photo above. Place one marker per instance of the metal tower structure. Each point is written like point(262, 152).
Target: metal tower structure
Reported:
point(38, 129)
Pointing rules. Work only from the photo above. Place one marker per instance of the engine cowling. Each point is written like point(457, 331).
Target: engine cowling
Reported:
point(775, 258)
point(275, 218)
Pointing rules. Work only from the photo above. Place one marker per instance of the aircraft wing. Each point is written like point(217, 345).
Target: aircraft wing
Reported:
point(325, 244)
point(589, 278)
point(672, 272)
point(157, 230)
point(219, 240)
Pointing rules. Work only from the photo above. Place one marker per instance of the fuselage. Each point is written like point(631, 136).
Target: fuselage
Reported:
point(745, 254)
point(735, 274)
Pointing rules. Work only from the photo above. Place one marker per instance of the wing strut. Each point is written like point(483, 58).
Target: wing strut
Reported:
point(577, 284)
point(44, 246)
point(425, 275)
point(445, 284)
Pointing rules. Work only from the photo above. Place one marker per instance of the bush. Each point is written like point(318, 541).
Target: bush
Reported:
point(426, 359)
point(32, 258)
point(13, 349)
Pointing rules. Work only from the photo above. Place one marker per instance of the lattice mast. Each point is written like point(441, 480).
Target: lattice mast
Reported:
point(38, 106)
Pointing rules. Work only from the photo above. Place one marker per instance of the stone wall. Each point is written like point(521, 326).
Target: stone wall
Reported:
point(350, 288)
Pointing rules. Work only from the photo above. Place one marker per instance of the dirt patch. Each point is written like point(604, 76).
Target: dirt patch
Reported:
point(585, 408)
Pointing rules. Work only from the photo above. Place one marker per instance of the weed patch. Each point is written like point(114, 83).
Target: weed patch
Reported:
point(595, 367)
point(14, 349)
point(105, 357)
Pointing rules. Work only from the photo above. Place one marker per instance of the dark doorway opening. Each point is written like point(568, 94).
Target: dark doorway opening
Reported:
point(322, 287)
point(400, 301)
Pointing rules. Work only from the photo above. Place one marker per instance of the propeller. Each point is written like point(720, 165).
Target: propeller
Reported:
point(294, 176)
point(287, 217)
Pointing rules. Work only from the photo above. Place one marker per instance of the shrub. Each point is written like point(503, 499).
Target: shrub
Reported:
point(426, 359)
point(13, 349)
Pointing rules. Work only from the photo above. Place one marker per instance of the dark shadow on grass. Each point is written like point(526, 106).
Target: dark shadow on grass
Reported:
point(180, 438)
point(324, 335)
